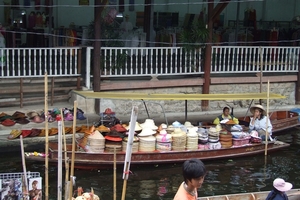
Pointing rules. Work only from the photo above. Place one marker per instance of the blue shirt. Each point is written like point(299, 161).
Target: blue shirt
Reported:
point(261, 124)
point(279, 196)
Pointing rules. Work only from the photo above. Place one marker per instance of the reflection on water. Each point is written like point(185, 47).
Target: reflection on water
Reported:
point(254, 173)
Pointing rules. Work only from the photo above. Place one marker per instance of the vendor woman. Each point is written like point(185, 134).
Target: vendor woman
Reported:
point(260, 122)
point(225, 115)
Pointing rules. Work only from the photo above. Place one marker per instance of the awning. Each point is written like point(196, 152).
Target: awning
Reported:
point(175, 96)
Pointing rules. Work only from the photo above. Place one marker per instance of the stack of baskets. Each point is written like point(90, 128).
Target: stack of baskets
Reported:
point(147, 143)
point(178, 139)
point(163, 141)
point(225, 139)
point(96, 142)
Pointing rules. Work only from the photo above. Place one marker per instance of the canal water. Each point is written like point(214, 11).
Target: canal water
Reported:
point(236, 175)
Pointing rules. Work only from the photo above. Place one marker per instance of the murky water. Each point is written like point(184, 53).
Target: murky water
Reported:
point(250, 174)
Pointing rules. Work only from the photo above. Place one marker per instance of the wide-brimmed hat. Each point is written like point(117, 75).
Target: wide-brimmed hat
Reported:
point(252, 109)
point(103, 129)
point(176, 124)
point(281, 185)
point(8, 122)
point(5, 117)
point(188, 125)
point(14, 134)
point(147, 131)
point(137, 127)
point(35, 132)
point(22, 121)
point(118, 128)
point(108, 111)
point(32, 114)
point(149, 123)
point(26, 133)
point(18, 115)
point(3, 114)
point(38, 119)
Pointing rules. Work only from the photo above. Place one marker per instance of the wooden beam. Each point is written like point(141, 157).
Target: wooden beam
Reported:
point(219, 8)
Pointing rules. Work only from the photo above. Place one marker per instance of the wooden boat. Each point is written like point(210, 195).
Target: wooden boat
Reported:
point(281, 120)
point(293, 194)
point(85, 160)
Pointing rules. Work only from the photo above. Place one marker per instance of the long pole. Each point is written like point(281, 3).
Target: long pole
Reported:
point(261, 72)
point(267, 123)
point(24, 167)
point(46, 139)
point(129, 150)
point(59, 164)
point(66, 193)
point(115, 174)
point(73, 150)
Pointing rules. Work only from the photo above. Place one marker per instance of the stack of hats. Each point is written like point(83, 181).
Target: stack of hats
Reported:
point(178, 139)
point(114, 138)
point(96, 142)
point(163, 141)
point(225, 139)
point(174, 125)
point(202, 136)
point(6, 120)
point(147, 140)
point(213, 138)
point(137, 127)
point(20, 118)
point(149, 123)
point(135, 144)
point(192, 139)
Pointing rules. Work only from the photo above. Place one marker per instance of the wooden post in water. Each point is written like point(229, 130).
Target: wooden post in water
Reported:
point(115, 174)
point(267, 122)
point(46, 139)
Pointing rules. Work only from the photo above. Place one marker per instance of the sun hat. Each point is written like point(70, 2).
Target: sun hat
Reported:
point(18, 115)
point(281, 185)
point(147, 131)
point(22, 121)
point(252, 109)
point(8, 122)
point(188, 125)
point(118, 128)
point(149, 123)
point(176, 124)
point(26, 133)
point(108, 111)
point(137, 126)
point(14, 134)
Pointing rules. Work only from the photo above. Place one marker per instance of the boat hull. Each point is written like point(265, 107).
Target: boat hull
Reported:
point(98, 160)
point(293, 194)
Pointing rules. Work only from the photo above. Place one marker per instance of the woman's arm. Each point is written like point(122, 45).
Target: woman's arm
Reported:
point(251, 124)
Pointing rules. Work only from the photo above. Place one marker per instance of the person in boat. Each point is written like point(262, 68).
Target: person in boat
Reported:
point(193, 172)
point(279, 189)
point(260, 122)
point(225, 115)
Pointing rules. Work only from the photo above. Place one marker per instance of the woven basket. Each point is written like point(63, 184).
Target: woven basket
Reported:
point(147, 143)
point(192, 143)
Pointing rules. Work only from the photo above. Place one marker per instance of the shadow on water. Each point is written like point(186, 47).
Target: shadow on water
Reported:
point(249, 174)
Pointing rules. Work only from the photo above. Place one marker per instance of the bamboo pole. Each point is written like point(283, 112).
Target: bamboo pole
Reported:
point(115, 174)
point(129, 150)
point(73, 151)
point(46, 139)
point(267, 122)
point(59, 163)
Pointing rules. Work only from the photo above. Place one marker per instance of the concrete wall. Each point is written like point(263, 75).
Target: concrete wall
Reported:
point(123, 107)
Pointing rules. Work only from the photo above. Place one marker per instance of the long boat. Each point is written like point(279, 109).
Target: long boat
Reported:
point(293, 194)
point(84, 160)
point(281, 120)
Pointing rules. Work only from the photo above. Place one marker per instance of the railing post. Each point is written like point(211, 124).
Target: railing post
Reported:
point(79, 67)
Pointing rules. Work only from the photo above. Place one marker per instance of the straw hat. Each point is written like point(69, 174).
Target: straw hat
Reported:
point(192, 132)
point(252, 109)
point(137, 126)
point(176, 124)
point(149, 123)
point(90, 130)
point(147, 131)
point(188, 125)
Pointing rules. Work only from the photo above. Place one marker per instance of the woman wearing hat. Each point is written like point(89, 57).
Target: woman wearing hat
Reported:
point(279, 189)
point(259, 121)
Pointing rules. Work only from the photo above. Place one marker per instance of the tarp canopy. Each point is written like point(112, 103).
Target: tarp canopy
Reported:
point(175, 96)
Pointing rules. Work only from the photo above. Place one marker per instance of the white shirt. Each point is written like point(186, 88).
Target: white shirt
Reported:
point(261, 124)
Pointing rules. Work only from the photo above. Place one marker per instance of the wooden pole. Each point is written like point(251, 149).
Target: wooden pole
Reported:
point(24, 167)
point(267, 122)
point(46, 139)
point(59, 163)
point(115, 174)
point(73, 150)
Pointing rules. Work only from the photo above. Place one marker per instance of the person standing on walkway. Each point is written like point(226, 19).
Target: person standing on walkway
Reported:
point(225, 115)
point(279, 189)
point(193, 172)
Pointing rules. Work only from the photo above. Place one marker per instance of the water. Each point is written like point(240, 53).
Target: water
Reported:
point(250, 174)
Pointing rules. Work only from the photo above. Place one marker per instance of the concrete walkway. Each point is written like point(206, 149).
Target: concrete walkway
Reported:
point(37, 143)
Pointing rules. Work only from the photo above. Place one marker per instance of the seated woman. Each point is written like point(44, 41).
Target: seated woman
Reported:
point(259, 122)
point(225, 115)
